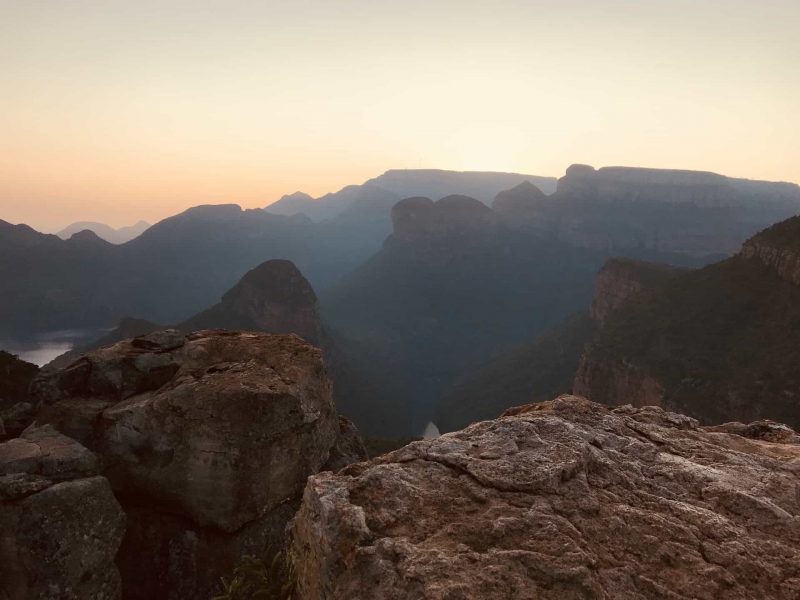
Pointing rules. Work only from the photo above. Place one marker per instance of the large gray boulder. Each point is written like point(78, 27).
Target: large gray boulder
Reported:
point(60, 525)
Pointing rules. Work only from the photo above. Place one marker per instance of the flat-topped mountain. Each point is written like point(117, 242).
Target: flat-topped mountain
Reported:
point(690, 212)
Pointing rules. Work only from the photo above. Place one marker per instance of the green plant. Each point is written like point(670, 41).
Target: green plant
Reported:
point(254, 580)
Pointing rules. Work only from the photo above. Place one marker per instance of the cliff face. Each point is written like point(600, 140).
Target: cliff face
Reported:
point(615, 381)
point(689, 212)
point(718, 343)
point(614, 184)
point(564, 499)
point(778, 248)
point(622, 278)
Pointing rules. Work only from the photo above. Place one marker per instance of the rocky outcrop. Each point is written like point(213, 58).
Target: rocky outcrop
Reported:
point(778, 248)
point(520, 204)
point(564, 499)
point(453, 221)
point(15, 378)
point(274, 297)
point(207, 440)
point(623, 278)
point(60, 525)
point(619, 380)
point(717, 343)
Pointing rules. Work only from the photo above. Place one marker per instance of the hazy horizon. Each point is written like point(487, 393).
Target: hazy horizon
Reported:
point(121, 112)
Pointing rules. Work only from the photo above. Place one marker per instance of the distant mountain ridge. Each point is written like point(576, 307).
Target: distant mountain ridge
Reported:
point(186, 262)
point(105, 232)
point(396, 184)
point(691, 212)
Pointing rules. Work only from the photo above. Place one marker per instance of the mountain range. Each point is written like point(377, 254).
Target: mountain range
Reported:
point(105, 232)
point(716, 343)
point(424, 294)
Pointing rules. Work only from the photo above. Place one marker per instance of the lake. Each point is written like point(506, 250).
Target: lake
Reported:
point(41, 348)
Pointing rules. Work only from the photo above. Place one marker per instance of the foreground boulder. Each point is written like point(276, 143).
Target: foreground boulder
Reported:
point(207, 440)
point(563, 499)
point(60, 525)
point(15, 377)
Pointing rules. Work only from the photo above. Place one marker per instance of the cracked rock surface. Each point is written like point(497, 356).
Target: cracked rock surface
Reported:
point(563, 499)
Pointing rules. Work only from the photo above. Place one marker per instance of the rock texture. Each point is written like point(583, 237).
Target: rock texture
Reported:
point(207, 439)
point(60, 525)
point(564, 499)
point(778, 248)
point(622, 278)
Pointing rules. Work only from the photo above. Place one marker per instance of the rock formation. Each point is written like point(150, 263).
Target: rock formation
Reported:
point(207, 440)
point(689, 212)
point(520, 204)
point(60, 525)
point(274, 297)
point(717, 344)
point(622, 278)
point(454, 222)
point(778, 248)
point(564, 499)
point(15, 378)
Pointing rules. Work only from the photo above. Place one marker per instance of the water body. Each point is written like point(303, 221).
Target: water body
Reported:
point(431, 431)
point(41, 348)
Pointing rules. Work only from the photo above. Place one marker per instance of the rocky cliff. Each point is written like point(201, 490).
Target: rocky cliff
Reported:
point(690, 212)
point(564, 499)
point(778, 248)
point(622, 278)
point(717, 344)
point(207, 440)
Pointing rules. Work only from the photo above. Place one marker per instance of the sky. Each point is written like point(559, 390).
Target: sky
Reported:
point(119, 111)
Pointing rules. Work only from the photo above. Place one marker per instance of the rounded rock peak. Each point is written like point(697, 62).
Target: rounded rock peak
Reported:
point(420, 219)
point(579, 170)
point(276, 280)
point(520, 197)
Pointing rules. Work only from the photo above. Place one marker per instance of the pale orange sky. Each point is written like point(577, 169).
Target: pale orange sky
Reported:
point(116, 111)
